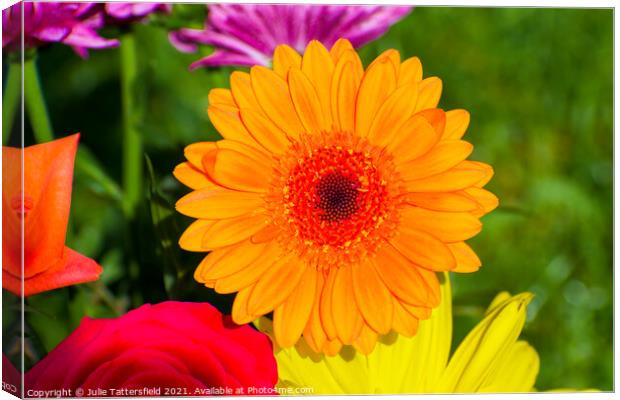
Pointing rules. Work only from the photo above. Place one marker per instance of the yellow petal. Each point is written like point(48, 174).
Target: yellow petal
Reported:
point(429, 93)
point(410, 71)
point(366, 341)
point(325, 309)
point(196, 151)
point(485, 199)
point(516, 371)
point(318, 66)
point(218, 203)
point(239, 312)
point(378, 83)
point(306, 101)
point(457, 122)
point(225, 232)
point(442, 157)
point(393, 113)
point(423, 249)
point(221, 96)
point(273, 95)
point(275, 285)
point(446, 226)
point(314, 329)
point(285, 57)
point(372, 297)
point(484, 348)
point(291, 317)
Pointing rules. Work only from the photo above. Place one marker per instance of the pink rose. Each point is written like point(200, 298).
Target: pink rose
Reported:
point(171, 348)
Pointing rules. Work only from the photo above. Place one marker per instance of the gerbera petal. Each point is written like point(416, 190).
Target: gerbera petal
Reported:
point(485, 199)
point(410, 71)
point(485, 346)
point(445, 226)
point(314, 331)
point(457, 122)
point(413, 139)
point(423, 249)
point(218, 203)
point(402, 321)
point(394, 57)
point(339, 48)
point(196, 151)
point(395, 111)
point(192, 177)
point(451, 201)
point(227, 121)
point(517, 371)
point(227, 261)
point(225, 232)
point(318, 66)
point(221, 96)
point(273, 95)
point(291, 317)
point(266, 133)
point(402, 277)
point(249, 275)
point(345, 312)
point(429, 93)
point(191, 239)
point(239, 311)
point(442, 157)
point(466, 258)
point(372, 297)
point(366, 341)
point(242, 92)
point(285, 57)
point(275, 285)
point(326, 305)
point(464, 175)
point(436, 117)
point(378, 83)
point(306, 101)
point(344, 94)
point(237, 170)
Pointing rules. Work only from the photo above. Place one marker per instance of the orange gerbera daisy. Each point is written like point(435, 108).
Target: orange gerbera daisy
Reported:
point(335, 196)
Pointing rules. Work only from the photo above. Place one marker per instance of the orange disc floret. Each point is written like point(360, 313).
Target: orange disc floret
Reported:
point(334, 197)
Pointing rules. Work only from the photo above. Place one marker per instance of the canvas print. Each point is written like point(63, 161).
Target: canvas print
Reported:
point(305, 199)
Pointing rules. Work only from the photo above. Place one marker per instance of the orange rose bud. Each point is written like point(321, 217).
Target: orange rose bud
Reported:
point(43, 207)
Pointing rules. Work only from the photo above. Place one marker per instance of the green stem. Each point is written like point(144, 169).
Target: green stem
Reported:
point(35, 103)
point(132, 142)
point(10, 100)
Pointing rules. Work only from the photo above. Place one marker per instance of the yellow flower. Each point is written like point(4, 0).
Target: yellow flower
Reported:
point(335, 195)
point(490, 358)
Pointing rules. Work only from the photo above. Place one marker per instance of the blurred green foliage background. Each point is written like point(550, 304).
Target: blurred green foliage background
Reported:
point(538, 84)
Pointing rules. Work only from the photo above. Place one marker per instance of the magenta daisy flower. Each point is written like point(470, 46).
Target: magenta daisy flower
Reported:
point(247, 34)
point(126, 13)
point(74, 24)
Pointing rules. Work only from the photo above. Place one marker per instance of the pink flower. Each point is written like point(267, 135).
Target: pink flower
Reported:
point(73, 24)
point(247, 34)
point(125, 13)
point(187, 347)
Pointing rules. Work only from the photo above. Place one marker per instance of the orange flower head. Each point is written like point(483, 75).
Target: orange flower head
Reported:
point(334, 197)
point(41, 209)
